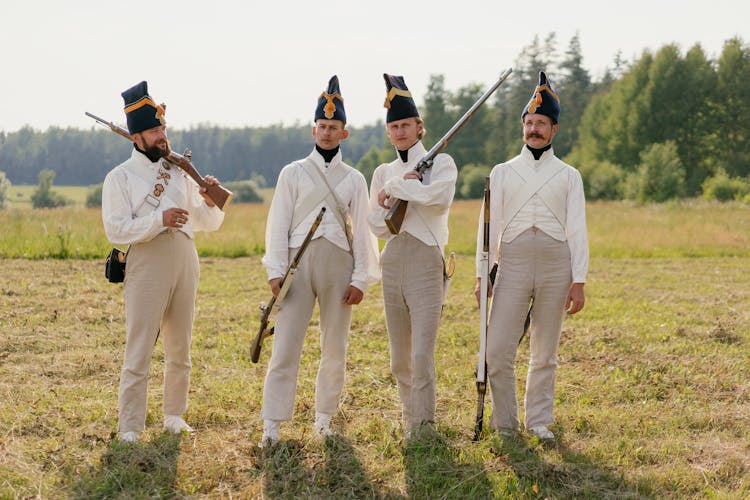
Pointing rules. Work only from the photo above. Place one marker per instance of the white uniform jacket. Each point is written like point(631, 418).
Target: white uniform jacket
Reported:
point(292, 187)
point(558, 208)
point(128, 197)
point(429, 201)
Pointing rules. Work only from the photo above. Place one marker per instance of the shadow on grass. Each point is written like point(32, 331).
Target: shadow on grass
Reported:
point(526, 473)
point(432, 471)
point(134, 470)
point(331, 470)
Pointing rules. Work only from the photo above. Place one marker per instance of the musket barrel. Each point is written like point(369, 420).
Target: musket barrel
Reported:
point(395, 216)
point(218, 194)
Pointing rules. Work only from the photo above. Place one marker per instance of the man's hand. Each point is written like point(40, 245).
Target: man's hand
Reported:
point(353, 296)
point(384, 199)
point(575, 299)
point(412, 174)
point(275, 285)
point(478, 290)
point(174, 217)
point(211, 181)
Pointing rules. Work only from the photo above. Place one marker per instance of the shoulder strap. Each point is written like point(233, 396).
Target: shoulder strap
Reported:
point(341, 213)
point(317, 195)
point(149, 199)
point(534, 182)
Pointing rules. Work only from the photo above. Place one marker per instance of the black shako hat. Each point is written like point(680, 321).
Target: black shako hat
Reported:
point(330, 102)
point(398, 99)
point(141, 111)
point(544, 101)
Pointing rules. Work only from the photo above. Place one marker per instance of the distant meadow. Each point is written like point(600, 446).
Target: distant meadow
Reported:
point(617, 229)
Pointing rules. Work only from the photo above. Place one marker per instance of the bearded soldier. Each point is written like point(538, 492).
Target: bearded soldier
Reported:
point(149, 204)
point(538, 232)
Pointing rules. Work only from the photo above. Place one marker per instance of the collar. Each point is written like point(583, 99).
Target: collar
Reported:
point(528, 155)
point(413, 154)
point(146, 155)
point(538, 152)
point(320, 162)
point(327, 154)
point(141, 157)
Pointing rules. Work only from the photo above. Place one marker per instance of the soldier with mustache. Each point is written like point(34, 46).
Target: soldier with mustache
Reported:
point(538, 233)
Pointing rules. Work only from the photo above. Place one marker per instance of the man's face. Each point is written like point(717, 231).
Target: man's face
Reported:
point(153, 141)
point(329, 133)
point(404, 133)
point(538, 130)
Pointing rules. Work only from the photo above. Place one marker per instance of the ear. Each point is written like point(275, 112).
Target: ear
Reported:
point(345, 134)
point(314, 130)
point(137, 139)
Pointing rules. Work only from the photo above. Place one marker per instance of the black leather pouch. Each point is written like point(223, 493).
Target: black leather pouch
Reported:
point(114, 268)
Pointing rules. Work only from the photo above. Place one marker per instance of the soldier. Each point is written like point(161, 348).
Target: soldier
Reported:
point(412, 261)
point(335, 269)
point(538, 231)
point(150, 205)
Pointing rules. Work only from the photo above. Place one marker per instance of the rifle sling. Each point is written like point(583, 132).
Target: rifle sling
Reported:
point(316, 196)
point(340, 212)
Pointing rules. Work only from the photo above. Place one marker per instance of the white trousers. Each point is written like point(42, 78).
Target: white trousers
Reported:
point(413, 299)
point(160, 288)
point(324, 273)
point(532, 266)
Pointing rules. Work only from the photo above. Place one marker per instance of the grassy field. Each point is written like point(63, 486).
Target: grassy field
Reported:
point(616, 230)
point(19, 196)
point(653, 397)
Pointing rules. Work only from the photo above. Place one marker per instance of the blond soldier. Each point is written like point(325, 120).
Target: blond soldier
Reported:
point(335, 269)
point(412, 261)
point(538, 231)
point(156, 209)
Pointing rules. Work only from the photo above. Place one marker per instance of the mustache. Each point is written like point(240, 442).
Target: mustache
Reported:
point(534, 135)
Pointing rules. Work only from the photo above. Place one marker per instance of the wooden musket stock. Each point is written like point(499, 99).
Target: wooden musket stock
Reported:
point(218, 194)
point(395, 216)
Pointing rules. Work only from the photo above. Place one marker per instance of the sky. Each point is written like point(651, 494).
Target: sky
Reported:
point(250, 63)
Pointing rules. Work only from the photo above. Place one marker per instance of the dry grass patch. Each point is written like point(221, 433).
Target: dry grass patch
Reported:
point(652, 396)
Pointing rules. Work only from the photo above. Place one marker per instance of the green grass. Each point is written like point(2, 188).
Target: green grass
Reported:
point(19, 196)
point(652, 393)
point(616, 229)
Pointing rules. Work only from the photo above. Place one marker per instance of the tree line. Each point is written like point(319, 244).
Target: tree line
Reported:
point(83, 157)
point(666, 125)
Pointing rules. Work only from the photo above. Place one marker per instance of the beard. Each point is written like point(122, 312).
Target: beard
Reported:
point(155, 151)
point(159, 149)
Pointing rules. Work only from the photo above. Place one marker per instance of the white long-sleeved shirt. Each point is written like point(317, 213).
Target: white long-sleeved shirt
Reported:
point(128, 219)
point(293, 186)
point(566, 186)
point(429, 201)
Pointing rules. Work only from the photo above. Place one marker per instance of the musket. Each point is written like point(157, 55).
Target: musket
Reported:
point(487, 278)
point(395, 216)
point(273, 305)
point(218, 194)
point(484, 278)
